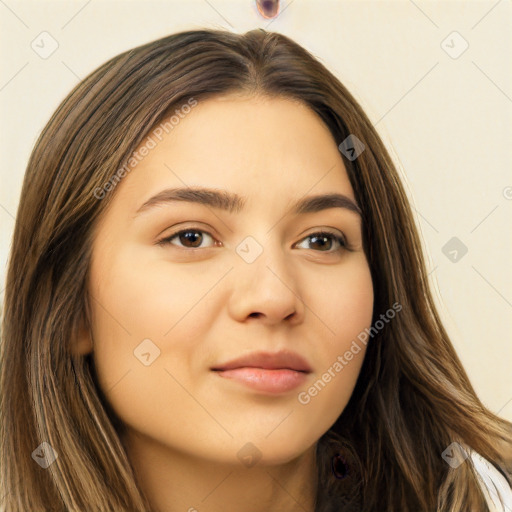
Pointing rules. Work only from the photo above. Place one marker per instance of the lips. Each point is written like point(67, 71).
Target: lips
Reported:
point(265, 372)
point(284, 360)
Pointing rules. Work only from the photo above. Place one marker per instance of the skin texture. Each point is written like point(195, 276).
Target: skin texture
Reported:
point(204, 306)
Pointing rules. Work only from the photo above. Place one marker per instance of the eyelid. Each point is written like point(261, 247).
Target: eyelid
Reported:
point(326, 231)
point(166, 240)
point(192, 225)
point(339, 237)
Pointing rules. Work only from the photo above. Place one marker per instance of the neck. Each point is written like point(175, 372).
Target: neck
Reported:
point(175, 481)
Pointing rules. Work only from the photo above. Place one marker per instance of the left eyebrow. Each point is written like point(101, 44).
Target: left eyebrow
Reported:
point(234, 203)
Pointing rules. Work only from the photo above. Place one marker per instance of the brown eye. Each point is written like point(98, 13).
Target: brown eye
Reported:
point(187, 238)
point(324, 241)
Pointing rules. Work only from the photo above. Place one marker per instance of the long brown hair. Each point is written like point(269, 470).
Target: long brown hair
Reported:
point(412, 398)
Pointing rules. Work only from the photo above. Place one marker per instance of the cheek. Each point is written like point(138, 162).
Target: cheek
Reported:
point(136, 302)
point(346, 311)
point(148, 296)
point(342, 301)
point(146, 332)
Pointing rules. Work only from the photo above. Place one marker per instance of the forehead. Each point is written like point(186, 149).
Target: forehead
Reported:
point(266, 149)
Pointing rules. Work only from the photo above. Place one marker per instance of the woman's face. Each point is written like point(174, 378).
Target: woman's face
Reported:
point(169, 311)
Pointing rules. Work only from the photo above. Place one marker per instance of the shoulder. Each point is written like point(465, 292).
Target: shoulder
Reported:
point(494, 485)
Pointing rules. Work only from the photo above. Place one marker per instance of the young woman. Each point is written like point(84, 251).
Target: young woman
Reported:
point(216, 300)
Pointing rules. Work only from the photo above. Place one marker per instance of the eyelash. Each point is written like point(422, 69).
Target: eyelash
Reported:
point(323, 233)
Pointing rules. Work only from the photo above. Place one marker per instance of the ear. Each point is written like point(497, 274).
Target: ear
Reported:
point(81, 342)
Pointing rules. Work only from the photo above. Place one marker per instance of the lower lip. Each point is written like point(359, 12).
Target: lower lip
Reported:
point(270, 381)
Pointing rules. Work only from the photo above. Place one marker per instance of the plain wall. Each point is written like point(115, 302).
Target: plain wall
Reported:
point(444, 115)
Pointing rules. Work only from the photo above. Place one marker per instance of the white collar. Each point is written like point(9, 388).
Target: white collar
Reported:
point(495, 487)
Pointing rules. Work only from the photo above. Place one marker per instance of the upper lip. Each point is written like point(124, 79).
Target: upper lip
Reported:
point(284, 360)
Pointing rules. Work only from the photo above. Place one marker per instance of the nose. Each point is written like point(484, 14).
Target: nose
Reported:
point(266, 290)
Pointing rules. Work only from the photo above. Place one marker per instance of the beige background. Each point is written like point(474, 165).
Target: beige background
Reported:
point(446, 120)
